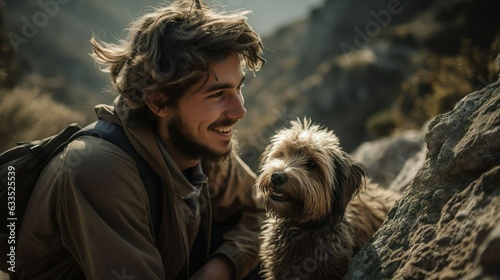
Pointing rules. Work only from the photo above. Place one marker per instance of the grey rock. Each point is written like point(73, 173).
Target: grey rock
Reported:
point(395, 157)
point(446, 224)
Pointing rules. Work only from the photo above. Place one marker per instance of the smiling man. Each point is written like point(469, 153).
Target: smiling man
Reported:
point(179, 78)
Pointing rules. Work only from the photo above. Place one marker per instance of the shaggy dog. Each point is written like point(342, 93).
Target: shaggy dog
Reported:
point(316, 221)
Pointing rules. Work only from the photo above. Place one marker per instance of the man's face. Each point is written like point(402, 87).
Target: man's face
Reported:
point(202, 124)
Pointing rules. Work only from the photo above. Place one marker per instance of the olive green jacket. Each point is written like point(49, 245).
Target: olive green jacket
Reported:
point(88, 216)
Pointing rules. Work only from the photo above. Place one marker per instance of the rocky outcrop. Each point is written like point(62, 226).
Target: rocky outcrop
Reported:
point(393, 161)
point(447, 223)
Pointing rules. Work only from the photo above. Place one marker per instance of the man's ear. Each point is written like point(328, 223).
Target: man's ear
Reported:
point(157, 103)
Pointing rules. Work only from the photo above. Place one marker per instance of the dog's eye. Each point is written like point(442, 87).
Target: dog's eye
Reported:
point(279, 155)
point(311, 164)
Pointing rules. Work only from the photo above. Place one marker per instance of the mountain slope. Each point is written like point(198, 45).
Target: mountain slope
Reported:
point(347, 62)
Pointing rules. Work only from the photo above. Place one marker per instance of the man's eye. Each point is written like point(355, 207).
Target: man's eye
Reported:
point(215, 95)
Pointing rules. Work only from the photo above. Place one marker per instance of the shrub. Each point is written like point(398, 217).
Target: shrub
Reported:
point(28, 114)
point(441, 81)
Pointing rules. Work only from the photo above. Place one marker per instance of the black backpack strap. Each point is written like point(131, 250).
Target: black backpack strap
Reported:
point(116, 134)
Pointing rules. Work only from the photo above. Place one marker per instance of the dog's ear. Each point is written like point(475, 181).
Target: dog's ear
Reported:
point(349, 180)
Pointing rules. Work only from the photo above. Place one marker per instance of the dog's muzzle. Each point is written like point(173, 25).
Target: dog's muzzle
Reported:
point(278, 178)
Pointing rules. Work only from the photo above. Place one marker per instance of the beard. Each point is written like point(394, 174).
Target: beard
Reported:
point(182, 139)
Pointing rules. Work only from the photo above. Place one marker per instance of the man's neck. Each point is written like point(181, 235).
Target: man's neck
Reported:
point(182, 162)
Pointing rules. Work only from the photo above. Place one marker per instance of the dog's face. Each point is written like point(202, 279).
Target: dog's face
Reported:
point(305, 175)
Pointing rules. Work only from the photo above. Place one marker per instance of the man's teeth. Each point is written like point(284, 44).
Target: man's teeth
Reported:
point(223, 129)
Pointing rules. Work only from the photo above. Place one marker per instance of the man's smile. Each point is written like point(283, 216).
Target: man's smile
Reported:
point(226, 129)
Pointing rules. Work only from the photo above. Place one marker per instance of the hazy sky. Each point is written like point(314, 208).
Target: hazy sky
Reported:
point(270, 14)
point(266, 17)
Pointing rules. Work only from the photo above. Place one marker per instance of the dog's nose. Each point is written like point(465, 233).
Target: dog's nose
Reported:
point(278, 178)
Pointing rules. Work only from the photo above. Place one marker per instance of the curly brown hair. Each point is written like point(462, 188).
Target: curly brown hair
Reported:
point(170, 48)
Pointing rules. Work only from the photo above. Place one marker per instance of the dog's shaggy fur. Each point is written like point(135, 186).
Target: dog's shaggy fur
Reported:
point(316, 221)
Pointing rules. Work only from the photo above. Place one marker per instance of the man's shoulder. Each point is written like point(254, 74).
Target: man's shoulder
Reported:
point(90, 162)
point(94, 149)
point(93, 155)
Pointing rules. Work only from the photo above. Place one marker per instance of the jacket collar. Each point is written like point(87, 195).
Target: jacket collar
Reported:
point(183, 187)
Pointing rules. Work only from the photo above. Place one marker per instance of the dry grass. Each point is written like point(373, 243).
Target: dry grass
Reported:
point(28, 114)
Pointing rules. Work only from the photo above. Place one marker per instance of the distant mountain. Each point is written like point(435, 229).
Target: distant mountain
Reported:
point(51, 41)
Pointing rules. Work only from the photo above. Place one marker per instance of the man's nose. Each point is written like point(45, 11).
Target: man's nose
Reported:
point(235, 107)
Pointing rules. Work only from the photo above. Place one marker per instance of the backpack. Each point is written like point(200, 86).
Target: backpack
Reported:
point(21, 166)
